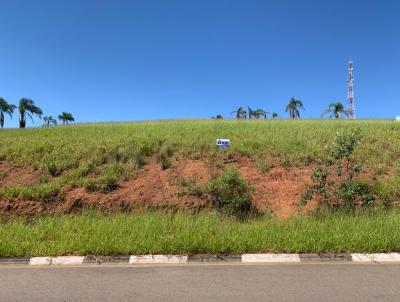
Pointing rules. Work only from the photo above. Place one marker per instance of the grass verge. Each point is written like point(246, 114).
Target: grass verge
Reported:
point(183, 233)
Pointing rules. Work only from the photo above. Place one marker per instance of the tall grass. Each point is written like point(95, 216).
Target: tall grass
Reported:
point(183, 233)
point(292, 141)
point(82, 155)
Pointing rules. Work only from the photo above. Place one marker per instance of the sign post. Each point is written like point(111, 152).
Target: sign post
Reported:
point(223, 143)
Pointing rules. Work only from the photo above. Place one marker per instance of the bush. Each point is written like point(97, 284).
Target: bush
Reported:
point(354, 193)
point(231, 194)
point(334, 181)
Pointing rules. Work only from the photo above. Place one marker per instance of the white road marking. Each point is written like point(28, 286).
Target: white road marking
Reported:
point(68, 260)
point(262, 258)
point(162, 259)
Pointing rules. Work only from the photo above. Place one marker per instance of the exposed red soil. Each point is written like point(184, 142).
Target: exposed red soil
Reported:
point(279, 190)
point(151, 187)
point(12, 175)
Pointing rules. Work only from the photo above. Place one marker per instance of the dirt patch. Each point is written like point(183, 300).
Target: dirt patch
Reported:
point(20, 207)
point(279, 190)
point(13, 176)
point(149, 188)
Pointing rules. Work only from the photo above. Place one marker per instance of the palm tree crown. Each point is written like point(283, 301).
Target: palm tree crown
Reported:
point(66, 117)
point(240, 113)
point(27, 107)
point(335, 110)
point(5, 108)
point(293, 108)
point(257, 113)
point(49, 120)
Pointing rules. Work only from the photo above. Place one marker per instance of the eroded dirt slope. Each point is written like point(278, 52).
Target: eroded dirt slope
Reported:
point(278, 190)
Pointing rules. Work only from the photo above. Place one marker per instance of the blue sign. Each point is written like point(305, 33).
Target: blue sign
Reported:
point(223, 143)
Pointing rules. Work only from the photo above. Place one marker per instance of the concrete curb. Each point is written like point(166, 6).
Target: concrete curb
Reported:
point(204, 258)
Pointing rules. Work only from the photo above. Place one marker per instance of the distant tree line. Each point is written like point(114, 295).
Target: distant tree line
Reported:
point(27, 109)
point(335, 110)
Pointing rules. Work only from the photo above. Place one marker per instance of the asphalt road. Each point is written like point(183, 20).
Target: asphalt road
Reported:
point(299, 282)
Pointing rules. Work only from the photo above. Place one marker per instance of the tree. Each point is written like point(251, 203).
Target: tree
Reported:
point(240, 113)
point(5, 108)
point(66, 117)
point(274, 115)
point(261, 113)
point(335, 110)
point(49, 121)
point(251, 113)
point(293, 108)
point(27, 107)
point(257, 113)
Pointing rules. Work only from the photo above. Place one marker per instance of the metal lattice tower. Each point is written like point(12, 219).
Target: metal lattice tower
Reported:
point(350, 90)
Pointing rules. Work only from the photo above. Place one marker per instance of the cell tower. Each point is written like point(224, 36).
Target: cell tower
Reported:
point(350, 91)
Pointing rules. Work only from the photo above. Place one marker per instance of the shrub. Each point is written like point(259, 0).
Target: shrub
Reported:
point(344, 145)
point(334, 181)
point(354, 193)
point(231, 194)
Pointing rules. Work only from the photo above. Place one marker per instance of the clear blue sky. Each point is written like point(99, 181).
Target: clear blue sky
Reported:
point(137, 60)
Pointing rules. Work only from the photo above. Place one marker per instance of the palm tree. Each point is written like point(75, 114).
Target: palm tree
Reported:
point(335, 110)
point(240, 113)
point(274, 115)
point(49, 120)
point(5, 108)
point(261, 113)
point(293, 108)
point(251, 113)
point(27, 107)
point(66, 117)
point(257, 113)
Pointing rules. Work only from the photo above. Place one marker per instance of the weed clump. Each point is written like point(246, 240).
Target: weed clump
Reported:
point(230, 193)
point(52, 168)
point(107, 182)
point(264, 165)
point(164, 156)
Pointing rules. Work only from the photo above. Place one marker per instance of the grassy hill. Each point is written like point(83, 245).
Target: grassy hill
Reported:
point(43, 165)
point(168, 179)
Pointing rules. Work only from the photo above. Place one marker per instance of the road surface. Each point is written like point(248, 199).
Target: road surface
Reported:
point(299, 282)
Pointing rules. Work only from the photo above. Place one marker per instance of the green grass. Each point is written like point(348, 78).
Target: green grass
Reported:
point(182, 233)
point(292, 141)
point(84, 154)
